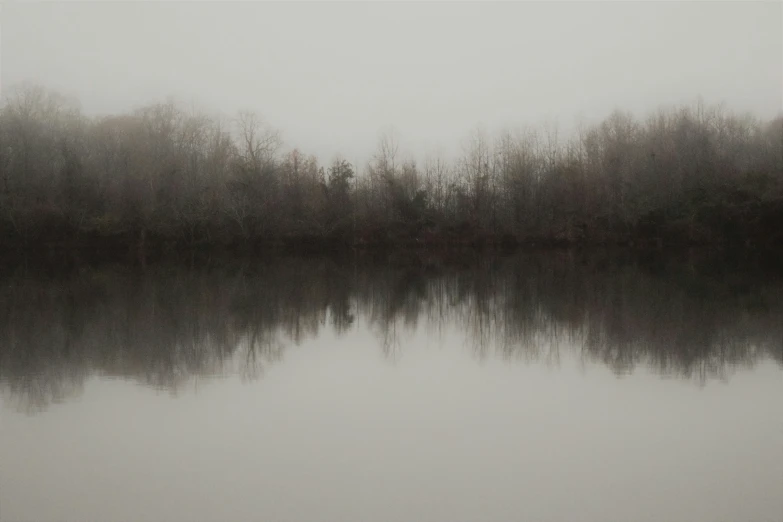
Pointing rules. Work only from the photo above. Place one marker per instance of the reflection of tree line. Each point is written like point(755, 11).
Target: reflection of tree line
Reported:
point(166, 325)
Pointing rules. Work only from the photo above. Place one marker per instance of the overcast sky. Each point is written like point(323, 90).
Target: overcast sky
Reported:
point(332, 75)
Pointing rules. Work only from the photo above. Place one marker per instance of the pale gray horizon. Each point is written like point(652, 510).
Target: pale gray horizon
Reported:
point(331, 75)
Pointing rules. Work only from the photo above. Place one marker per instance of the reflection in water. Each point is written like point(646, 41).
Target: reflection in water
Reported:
point(166, 324)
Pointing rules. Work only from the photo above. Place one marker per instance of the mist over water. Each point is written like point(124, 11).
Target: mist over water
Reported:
point(167, 324)
point(564, 385)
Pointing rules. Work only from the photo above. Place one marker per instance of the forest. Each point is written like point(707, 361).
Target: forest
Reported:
point(166, 178)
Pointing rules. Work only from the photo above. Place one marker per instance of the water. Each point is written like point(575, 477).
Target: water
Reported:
point(545, 388)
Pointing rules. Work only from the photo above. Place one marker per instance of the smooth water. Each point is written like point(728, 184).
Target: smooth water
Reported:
point(542, 388)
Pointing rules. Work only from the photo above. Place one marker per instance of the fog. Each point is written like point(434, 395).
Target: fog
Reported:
point(333, 75)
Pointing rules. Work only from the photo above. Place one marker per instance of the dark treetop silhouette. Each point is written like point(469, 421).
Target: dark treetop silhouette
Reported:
point(165, 178)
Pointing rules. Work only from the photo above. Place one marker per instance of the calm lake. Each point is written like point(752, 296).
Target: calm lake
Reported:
point(547, 387)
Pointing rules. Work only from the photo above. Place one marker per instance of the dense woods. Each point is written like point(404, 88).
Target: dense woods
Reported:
point(164, 176)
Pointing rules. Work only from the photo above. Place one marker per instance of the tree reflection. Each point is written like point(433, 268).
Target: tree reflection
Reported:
point(166, 325)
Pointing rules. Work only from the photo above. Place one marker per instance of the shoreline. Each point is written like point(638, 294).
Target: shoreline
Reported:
point(66, 256)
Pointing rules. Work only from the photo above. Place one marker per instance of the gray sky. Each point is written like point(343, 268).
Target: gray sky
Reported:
point(332, 75)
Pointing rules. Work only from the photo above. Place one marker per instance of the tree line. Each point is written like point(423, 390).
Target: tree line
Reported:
point(164, 175)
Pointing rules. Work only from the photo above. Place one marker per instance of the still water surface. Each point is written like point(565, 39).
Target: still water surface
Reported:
point(542, 388)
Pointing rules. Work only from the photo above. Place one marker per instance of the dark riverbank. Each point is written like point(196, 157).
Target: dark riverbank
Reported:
point(750, 225)
point(718, 260)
